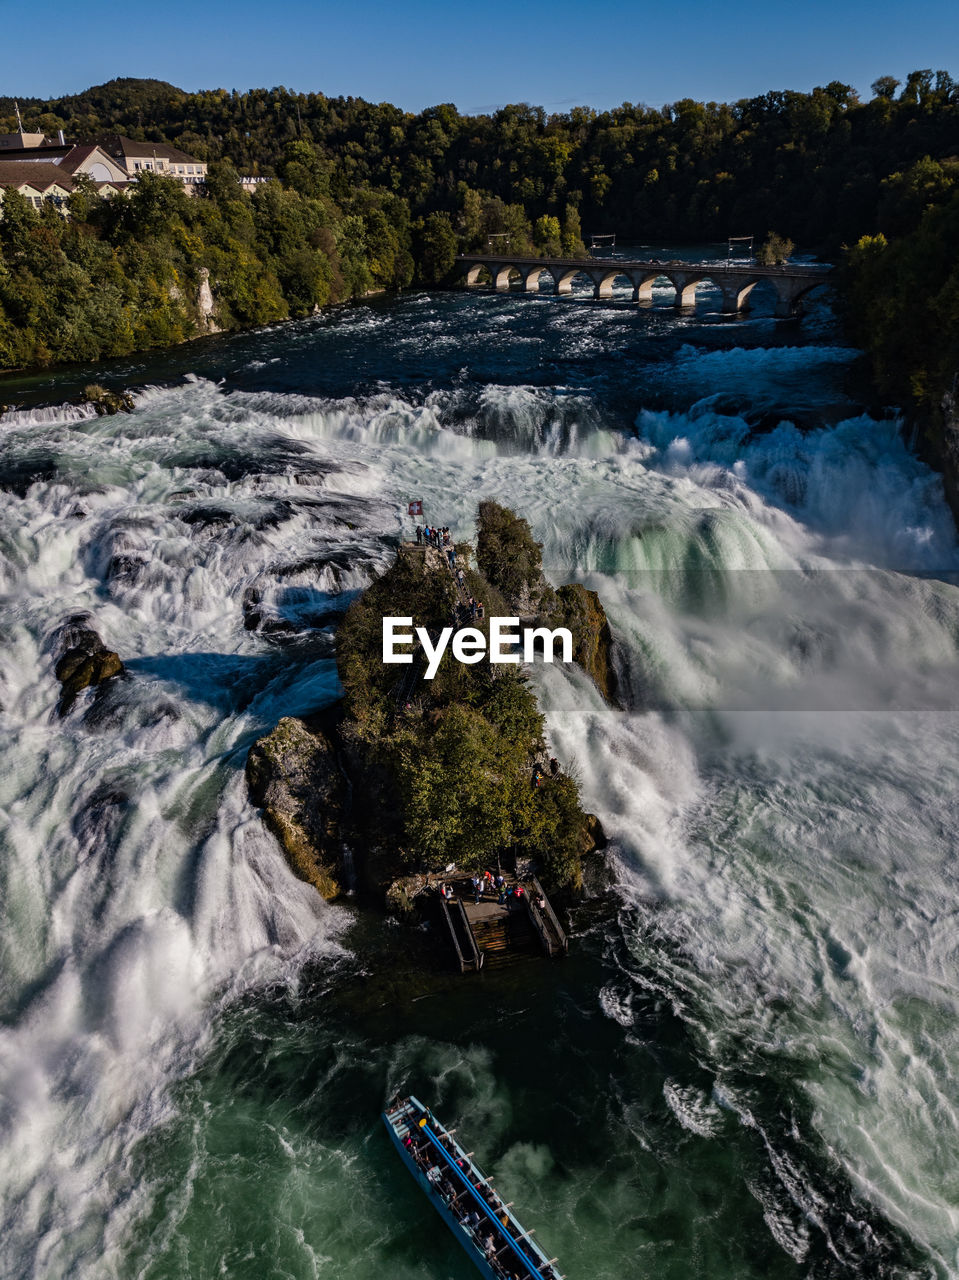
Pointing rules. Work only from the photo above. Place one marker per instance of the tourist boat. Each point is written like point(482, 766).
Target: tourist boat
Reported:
point(464, 1198)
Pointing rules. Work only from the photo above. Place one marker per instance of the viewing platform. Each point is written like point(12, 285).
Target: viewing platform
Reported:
point(791, 282)
point(490, 935)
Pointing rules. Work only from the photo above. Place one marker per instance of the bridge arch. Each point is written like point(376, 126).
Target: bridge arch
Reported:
point(563, 278)
point(643, 286)
point(605, 280)
point(501, 274)
point(736, 295)
point(791, 292)
point(531, 276)
point(685, 285)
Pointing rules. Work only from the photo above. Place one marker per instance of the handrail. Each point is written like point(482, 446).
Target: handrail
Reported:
point(534, 914)
point(478, 956)
point(553, 918)
point(798, 268)
point(445, 911)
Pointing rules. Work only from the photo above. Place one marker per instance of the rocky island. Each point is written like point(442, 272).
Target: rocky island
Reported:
point(404, 777)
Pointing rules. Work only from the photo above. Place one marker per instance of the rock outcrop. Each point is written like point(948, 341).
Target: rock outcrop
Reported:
point(450, 770)
point(107, 402)
point(511, 561)
point(595, 838)
point(294, 776)
point(84, 660)
point(582, 612)
point(206, 304)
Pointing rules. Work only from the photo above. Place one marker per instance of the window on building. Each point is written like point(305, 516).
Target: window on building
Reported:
point(136, 165)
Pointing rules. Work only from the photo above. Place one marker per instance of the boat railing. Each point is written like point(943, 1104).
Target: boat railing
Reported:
point(552, 916)
point(539, 1265)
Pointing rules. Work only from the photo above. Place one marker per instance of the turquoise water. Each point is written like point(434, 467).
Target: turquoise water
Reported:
point(747, 1066)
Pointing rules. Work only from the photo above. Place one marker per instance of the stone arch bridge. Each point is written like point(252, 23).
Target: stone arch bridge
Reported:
point(735, 280)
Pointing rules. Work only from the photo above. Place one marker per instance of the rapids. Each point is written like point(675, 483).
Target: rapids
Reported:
point(750, 1069)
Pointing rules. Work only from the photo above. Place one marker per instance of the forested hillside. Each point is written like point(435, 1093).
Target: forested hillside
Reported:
point(809, 165)
point(371, 197)
point(125, 275)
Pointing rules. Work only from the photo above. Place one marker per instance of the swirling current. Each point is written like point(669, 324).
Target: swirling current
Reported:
point(748, 1066)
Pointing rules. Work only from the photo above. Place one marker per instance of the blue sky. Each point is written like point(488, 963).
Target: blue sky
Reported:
point(480, 55)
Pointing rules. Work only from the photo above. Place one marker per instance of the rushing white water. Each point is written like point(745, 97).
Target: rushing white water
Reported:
point(779, 787)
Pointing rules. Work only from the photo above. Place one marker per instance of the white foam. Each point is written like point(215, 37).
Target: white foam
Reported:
point(799, 862)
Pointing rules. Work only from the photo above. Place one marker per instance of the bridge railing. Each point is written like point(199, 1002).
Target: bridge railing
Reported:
point(645, 264)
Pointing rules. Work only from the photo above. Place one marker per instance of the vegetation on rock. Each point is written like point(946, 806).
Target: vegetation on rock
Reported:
point(459, 751)
point(774, 251)
point(107, 402)
point(513, 563)
point(450, 770)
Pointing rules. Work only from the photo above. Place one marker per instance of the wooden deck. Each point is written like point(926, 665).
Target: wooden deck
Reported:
point(488, 935)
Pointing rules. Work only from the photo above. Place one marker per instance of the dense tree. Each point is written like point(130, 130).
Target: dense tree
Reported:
point(774, 250)
point(437, 248)
point(370, 197)
point(809, 164)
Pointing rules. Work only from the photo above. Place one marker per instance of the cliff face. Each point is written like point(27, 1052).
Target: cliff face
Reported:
point(511, 561)
point(293, 775)
point(583, 613)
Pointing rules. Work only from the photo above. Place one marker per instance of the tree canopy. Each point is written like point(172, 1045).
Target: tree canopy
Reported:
point(367, 196)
